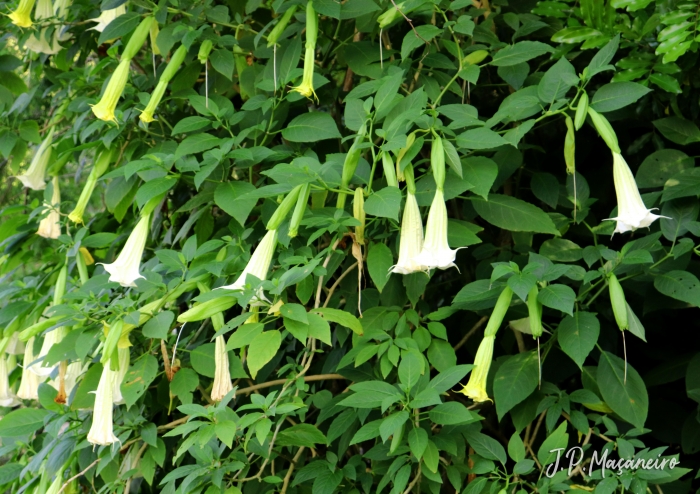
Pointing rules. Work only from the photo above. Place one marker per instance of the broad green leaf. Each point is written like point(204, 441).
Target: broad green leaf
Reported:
point(660, 166)
point(487, 446)
point(627, 399)
point(480, 138)
point(514, 214)
point(379, 261)
point(578, 335)
point(678, 130)
point(223, 62)
point(574, 34)
point(392, 423)
point(138, 378)
point(311, 127)
point(244, 335)
point(449, 378)
point(341, 317)
point(262, 349)
point(557, 81)
point(119, 26)
point(545, 186)
point(231, 197)
point(197, 143)
point(617, 95)
point(411, 41)
point(410, 370)
point(515, 380)
point(686, 183)
point(384, 203)
point(190, 124)
point(520, 52)
point(158, 326)
point(306, 435)
point(481, 172)
point(451, 413)
point(22, 422)
point(557, 440)
point(417, 442)
point(680, 285)
point(516, 448)
point(559, 297)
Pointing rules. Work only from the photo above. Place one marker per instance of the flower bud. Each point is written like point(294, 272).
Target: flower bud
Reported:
point(284, 208)
point(281, 25)
point(38, 327)
point(499, 312)
point(437, 162)
point(34, 177)
point(358, 211)
point(101, 165)
point(410, 139)
point(299, 210)
point(209, 308)
point(476, 57)
point(581, 111)
point(204, 50)
point(604, 129)
point(389, 169)
point(570, 146)
point(618, 302)
point(22, 16)
point(390, 15)
point(153, 35)
point(50, 225)
point(534, 309)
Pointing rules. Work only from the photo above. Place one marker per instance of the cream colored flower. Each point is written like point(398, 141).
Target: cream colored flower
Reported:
point(29, 384)
point(53, 337)
point(476, 387)
point(102, 429)
point(50, 226)
point(436, 252)
point(44, 10)
point(104, 109)
point(411, 239)
point(108, 16)
point(74, 371)
point(34, 177)
point(259, 262)
point(631, 211)
point(222, 377)
point(7, 396)
point(22, 17)
point(124, 356)
point(125, 269)
point(15, 346)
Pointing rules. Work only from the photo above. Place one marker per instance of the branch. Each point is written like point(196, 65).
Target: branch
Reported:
point(65, 484)
point(471, 332)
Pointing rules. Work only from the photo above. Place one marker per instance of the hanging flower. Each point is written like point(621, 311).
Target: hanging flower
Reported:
point(306, 88)
point(436, 252)
point(169, 72)
point(44, 10)
point(125, 270)
point(411, 239)
point(29, 384)
point(259, 262)
point(22, 16)
point(74, 371)
point(102, 429)
point(34, 176)
point(101, 165)
point(104, 110)
point(631, 211)
point(15, 345)
point(7, 396)
point(107, 16)
point(52, 338)
point(50, 226)
point(476, 387)
point(222, 378)
point(124, 357)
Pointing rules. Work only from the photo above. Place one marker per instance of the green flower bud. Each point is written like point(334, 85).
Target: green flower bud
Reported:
point(476, 57)
point(153, 34)
point(618, 302)
point(169, 72)
point(281, 26)
point(581, 111)
point(299, 210)
point(204, 50)
point(306, 87)
point(570, 147)
point(390, 15)
point(604, 129)
point(207, 309)
point(284, 208)
point(437, 161)
point(358, 211)
point(389, 169)
point(138, 38)
point(38, 327)
point(534, 309)
point(499, 312)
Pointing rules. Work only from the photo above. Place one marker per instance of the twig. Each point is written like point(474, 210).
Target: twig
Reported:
point(287, 478)
point(337, 282)
point(166, 360)
point(409, 22)
point(276, 382)
point(469, 334)
point(519, 340)
point(415, 479)
point(65, 484)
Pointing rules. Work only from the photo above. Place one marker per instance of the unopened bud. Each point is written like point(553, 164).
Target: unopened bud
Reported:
point(207, 309)
point(299, 210)
point(534, 309)
point(618, 302)
point(358, 210)
point(581, 111)
point(284, 208)
point(570, 147)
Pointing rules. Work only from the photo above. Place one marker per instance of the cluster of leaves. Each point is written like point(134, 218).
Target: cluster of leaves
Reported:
point(348, 381)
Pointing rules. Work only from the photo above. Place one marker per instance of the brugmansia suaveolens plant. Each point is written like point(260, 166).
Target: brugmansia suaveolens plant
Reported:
point(228, 228)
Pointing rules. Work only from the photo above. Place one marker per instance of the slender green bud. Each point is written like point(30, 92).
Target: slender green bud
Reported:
point(581, 111)
point(114, 334)
point(82, 266)
point(284, 208)
point(207, 309)
point(618, 302)
point(389, 169)
point(60, 287)
point(605, 130)
point(410, 139)
point(570, 146)
point(476, 57)
point(358, 211)
point(158, 93)
point(153, 34)
point(174, 64)
point(437, 161)
point(350, 165)
point(299, 210)
point(138, 38)
point(410, 181)
point(499, 312)
point(534, 309)
point(204, 50)
point(38, 328)
point(306, 88)
point(281, 26)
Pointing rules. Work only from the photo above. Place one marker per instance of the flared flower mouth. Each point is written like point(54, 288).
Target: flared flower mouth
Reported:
point(410, 239)
point(104, 109)
point(436, 252)
point(306, 88)
point(34, 177)
point(106, 17)
point(259, 262)
point(476, 386)
point(125, 269)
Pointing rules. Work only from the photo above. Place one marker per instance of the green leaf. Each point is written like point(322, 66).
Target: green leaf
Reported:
point(262, 349)
point(370, 394)
point(384, 99)
point(295, 312)
point(575, 34)
point(482, 172)
point(392, 424)
point(661, 165)
point(578, 335)
point(202, 359)
point(154, 188)
point(411, 41)
point(516, 448)
point(223, 62)
point(451, 413)
point(366, 432)
point(138, 378)
point(244, 335)
point(515, 380)
point(558, 439)
point(231, 197)
point(520, 52)
point(184, 382)
point(190, 124)
point(681, 285)
point(379, 261)
point(384, 203)
point(557, 81)
point(196, 144)
point(22, 422)
point(306, 435)
point(417, 442)
point(617, 95)
point(602, 59)
point(678, 130)
point(486, 446)
point(410, 370)
point(629, 400)
point(452, 157)
point(431, 457)
point(686, 183)
point(480, 138)
point(666, 82)
point(449, 378)
point(158, 326)
point(545, 186)
point(311, 127)
point(120, 26)
point(514, 214)
point(341, 317)
point(441, 355)
point(560, 297)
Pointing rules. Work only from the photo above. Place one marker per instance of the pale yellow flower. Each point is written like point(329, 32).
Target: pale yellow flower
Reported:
point(222, 377)
point(125, 269)
point(259, 262)
point(22, 17)
point(476, 387)
point(34, 177)
point(436, 252)
point(7, 397)
point(410, 239)
point(104, 109)
point(29, 384)
point(50, 226)
point(102, 429)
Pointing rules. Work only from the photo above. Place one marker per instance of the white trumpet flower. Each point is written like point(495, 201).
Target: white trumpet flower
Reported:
point(259, 262)
point(7, 396)
point(125, 270)
point(436, 252)
point(74, 371)
point(102, 429)
point(124, 356)
point(411, 239)
point(631, 211)
point(52, 338)
point(222, 378)
point(50, 226)
point(107, 16)
point(14, 346)
point(29, 384)
point(44, 10)
point(34, 176)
